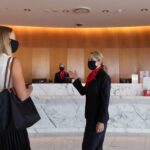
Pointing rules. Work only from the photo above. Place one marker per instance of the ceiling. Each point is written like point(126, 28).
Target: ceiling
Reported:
point(58, 13)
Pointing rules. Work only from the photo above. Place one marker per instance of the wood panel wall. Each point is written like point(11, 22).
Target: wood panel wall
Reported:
point(75, 61)
point(25, 57)
point(125, 50)
point(40, 62)
point(57, 56)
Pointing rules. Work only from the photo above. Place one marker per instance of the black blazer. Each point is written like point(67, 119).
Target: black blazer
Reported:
point(97, 97)
point(58, 79)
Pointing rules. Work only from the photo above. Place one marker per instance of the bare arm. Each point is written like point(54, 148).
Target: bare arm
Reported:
point(18, 81)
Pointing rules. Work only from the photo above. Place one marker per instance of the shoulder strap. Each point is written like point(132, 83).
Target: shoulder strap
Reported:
point(11, 65)
point(6, 72)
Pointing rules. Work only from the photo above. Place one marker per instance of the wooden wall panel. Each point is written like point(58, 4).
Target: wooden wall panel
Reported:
point(128, 62)
point(43, 62)
point(143, 58)
point(25, 57)
point(40, 62)
point(111, 60)
point(126, 50)
point(75, 61)
point(127, 37)
point(57, 56)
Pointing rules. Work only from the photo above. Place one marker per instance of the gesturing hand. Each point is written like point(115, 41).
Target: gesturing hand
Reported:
point(73, 74)
point(99, 127)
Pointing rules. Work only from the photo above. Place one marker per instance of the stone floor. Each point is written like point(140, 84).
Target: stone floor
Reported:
point(70, 142)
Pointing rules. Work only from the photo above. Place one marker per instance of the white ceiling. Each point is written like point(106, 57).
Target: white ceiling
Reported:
point(12, 13)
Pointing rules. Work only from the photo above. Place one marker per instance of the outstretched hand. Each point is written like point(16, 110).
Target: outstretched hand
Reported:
point(73, 74)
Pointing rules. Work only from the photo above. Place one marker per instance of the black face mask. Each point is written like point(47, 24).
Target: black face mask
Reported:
point(61, 68)
point(92, 64)
point(14, 45)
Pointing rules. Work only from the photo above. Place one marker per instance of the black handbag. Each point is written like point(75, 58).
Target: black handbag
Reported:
point(14, 113)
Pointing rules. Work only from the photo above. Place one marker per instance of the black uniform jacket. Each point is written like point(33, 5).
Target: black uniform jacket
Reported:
point(58, 78)
point(97, 97)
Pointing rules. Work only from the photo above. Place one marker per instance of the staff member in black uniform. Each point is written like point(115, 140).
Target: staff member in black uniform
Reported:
point(97, 91)
point(60, 77)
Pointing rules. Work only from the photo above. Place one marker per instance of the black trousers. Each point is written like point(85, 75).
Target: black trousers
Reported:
point(91, 139)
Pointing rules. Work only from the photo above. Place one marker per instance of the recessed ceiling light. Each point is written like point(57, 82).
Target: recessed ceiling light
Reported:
point(65, 11)
point(81, 10)
point(144, 9)
point(27, 9)
point(79, 24)
point(105, 11)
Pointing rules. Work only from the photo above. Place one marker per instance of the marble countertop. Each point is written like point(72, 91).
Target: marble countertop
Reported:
point(68, 89)
point(62, 109)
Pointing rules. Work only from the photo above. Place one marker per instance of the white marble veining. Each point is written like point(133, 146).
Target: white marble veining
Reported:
point(68, 90)
point(127, 89)
point(62, 109)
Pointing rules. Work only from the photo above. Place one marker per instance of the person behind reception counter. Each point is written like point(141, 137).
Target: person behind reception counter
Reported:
point(12, 139)
point(97, 91)
point(60, 77)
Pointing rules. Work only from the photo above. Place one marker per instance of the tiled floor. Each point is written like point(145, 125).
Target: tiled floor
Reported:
point(74, 142)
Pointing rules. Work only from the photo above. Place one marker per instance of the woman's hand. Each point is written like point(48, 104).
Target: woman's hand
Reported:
point(99, 127)
point(73, 75)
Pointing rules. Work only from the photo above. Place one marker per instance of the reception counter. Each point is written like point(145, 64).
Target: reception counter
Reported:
point(62, 109)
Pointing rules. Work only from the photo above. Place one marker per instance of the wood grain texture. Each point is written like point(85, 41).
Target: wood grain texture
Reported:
point(128, 62)
point(40, 63)
point(57, 56)
point(125, 37)
point(75, 61)
point(125, 49)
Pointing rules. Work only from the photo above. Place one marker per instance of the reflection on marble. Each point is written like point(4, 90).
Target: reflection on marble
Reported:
point(62, 110)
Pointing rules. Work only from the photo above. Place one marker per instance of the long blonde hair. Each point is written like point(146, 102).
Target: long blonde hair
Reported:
point(4, 40)
point(97, 55)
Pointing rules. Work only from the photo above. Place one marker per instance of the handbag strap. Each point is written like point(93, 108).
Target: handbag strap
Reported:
point(11, 65)
point(6, 72)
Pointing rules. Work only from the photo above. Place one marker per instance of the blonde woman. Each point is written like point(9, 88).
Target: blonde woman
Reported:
point(97, 91)
point(12, 139)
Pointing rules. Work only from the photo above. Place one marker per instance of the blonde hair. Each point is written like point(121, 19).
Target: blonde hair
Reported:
point(97, 55)
point(4, 40)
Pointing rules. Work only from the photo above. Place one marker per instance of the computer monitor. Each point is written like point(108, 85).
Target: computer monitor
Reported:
point(68, 80)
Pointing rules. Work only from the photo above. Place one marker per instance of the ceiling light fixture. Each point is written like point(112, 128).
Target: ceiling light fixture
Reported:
point(144, 9)
point(27, 9)
point(79, 24)
point(65, 11)
point(81, 10)
point(105, 11)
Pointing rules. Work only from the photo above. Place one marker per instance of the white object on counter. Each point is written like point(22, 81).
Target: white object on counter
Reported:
point(146, 83)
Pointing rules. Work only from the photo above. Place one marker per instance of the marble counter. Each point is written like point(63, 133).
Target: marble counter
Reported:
point(69, 90)
point(62, 109)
